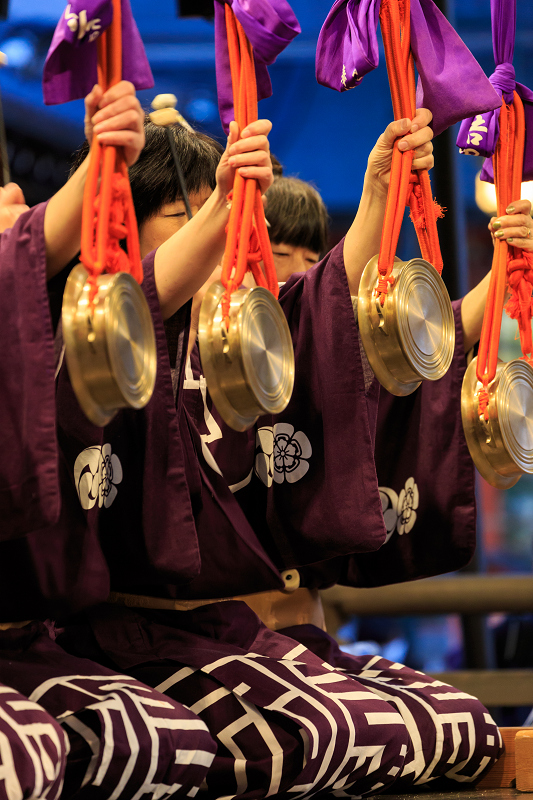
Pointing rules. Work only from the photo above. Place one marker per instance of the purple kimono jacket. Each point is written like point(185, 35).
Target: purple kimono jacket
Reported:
point(124, 486)
point(29, 471)
point(317, 487)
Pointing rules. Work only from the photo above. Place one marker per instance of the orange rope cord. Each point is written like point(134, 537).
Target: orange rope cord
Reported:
point(247, 241)
point(108, 213)
point(406, 187)
point(512, 269)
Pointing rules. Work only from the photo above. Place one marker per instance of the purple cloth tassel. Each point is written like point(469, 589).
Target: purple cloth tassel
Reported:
point(347, 50)
point(479, 135)
point(270, 25)
point(70, 67)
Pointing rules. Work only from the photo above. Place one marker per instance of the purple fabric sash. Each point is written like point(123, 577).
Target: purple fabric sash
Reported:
point(270, 25)
point(70, 67)
point(347, 50)
point(478, 135)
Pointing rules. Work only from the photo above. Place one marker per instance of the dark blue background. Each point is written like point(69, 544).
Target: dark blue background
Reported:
point(318, 134)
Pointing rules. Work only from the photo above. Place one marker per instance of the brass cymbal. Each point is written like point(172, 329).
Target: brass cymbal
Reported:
point(110, 351)
point(249, 368)
point(502, 446)
point(412, 336)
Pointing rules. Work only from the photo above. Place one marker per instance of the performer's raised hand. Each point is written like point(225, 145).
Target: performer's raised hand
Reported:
point(250, 155)
point(415, 135)
point(516, 226)
point(12, 205)
point(116, 118)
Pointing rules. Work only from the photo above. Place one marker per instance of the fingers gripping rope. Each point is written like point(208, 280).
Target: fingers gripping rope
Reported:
point(108, 213)
point(247, 241)
point(406, 187)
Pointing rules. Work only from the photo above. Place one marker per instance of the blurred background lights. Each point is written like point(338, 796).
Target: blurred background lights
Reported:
point(202, 109)
point(486, 195)
point(19, 50)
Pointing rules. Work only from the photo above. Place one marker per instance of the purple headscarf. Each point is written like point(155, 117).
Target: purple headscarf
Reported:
point(70, 67)
point(270, 25)
point(479, 136)
point(348, 49)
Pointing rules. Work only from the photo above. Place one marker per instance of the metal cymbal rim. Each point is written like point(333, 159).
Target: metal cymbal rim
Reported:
point(249, 369)
point(110, 348)
point(486, 447)
point(132, 363)
point(412, 337)
point(266, 340)
point(514, 397)
point(426, 327)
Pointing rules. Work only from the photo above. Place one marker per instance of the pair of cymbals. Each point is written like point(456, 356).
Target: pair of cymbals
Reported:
point(249, 364)
point(109, 344)
point(411, 337)
point(502, 445)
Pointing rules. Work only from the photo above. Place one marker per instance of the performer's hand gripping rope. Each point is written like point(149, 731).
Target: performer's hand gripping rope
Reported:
point(108, 212)
point(406, 187)
point(247, 236)
point(512, 268)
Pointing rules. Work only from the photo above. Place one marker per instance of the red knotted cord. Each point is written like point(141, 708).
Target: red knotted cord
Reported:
point(108, 213)
point(512, 269)
point(247, 240)
point(406, 187)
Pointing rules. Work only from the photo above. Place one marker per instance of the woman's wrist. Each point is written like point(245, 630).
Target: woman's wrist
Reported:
point(374, 189)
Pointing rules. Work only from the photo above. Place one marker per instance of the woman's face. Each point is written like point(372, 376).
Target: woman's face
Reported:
point(169, 219)
point(289, 259)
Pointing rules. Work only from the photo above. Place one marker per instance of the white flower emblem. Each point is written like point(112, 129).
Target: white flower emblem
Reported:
point(282, 455)
point(97, 472)
point(399, 512)
point(407, 503)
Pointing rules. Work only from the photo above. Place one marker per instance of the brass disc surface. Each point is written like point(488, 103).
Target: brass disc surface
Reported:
point(412, 337)
point(249, 369)
point(111, 350)
point(487, 448)
point(515, 410)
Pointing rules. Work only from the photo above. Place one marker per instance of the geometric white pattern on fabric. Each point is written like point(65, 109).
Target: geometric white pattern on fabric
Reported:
point(214, 431)
point(33, 749)
point(335, 758)
point(136, 727)
point(413, 698)
point(341, 746)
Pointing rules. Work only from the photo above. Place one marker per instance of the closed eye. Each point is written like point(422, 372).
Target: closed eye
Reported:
point(177, 214)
